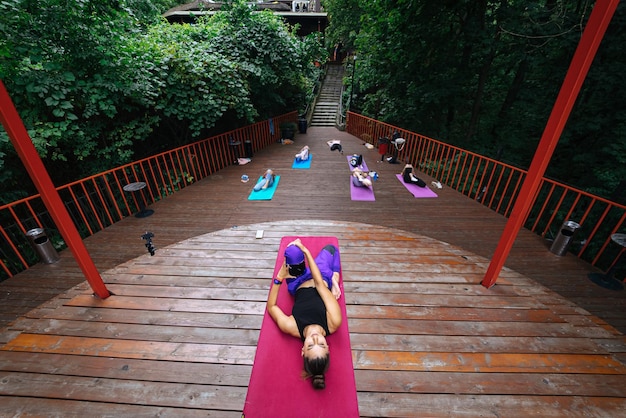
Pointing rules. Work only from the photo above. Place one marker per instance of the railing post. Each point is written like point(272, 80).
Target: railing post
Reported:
point(592, 35)
point(30, 158)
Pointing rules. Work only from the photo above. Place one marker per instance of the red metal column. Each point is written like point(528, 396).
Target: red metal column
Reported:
point(594, 32)
point(28, 154)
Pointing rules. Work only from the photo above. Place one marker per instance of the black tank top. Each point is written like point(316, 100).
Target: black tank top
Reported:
point(309, 309)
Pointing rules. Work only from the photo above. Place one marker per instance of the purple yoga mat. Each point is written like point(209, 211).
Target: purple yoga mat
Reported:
point(361, 193)
point(363, 166)
point(416, 190)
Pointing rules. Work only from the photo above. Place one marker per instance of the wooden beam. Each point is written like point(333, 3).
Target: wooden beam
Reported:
point(592, 35)
point(28, 154)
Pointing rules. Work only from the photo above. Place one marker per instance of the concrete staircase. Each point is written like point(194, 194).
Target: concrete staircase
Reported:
point(327, 103)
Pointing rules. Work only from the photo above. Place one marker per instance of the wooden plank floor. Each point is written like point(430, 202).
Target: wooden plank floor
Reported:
point(178, 337)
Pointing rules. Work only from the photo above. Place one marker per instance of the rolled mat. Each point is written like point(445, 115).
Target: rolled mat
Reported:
point(363, 166)
point(265, 194)
point(416, 190)
point(361, 193)
point(303, 165)
point(277, 388)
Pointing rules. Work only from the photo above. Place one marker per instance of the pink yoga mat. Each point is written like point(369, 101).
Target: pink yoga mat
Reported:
point(361, 193)
point(416, 190)
point(276, 387)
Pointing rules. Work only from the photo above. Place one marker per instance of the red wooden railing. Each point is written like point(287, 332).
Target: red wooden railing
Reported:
point(99, 201)
point(496, 185)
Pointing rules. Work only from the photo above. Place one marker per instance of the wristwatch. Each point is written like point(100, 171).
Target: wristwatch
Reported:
point(276, 281)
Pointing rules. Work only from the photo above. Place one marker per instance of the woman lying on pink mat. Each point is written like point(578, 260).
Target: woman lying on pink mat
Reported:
point(316, 312)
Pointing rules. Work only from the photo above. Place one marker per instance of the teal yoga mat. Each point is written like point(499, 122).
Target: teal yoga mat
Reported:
point(302, 165)
point(266, 194)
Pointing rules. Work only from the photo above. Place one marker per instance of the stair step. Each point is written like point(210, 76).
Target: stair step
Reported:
point(328, 99)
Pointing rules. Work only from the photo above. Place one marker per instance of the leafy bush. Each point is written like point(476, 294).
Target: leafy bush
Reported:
point(99, 85)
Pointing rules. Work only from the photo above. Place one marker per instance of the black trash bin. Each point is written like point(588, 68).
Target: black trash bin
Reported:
point(564, 238)
point(42, 246)
point(234, 147)
point(247, 147)
point(302, 125)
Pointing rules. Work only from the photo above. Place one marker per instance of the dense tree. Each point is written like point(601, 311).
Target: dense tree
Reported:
point(71, 84)
point(344, 16)
point(484, 75)
point(100, 83)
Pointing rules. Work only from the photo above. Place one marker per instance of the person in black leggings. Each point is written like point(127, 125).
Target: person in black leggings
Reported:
point(409, 177)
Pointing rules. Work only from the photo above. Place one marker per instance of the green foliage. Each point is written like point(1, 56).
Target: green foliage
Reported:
point(98, 84)
point(77, 88)
point(485, 75)
point(344, 16)
point(198, 83)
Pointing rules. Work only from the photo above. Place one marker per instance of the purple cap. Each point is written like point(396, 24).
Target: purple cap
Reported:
point(293, 255)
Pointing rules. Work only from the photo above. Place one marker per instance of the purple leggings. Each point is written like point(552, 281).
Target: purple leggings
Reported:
point(327, 261)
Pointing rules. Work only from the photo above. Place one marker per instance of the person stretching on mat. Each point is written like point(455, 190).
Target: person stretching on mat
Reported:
point(316, 313)
point(360, 178)
point(409, 177)
point(303, 155)
point(266, 181)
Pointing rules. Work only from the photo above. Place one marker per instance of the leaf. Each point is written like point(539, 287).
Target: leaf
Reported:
point(50, 101)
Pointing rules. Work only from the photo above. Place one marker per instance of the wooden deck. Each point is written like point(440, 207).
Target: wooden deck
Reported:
point(178, 337)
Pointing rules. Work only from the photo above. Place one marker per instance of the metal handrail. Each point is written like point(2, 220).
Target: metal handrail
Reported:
point(341, 112)
point(310, 107)
point(99, 201)
point(496, 185)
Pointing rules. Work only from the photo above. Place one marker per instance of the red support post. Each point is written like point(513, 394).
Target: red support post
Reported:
point(592, 35)
point(25, 148)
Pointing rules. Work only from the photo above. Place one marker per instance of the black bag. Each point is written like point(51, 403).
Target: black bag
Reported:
point(356, 160)
point(336, 147)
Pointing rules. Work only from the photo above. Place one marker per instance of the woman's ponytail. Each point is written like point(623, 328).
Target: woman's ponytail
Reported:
point(315, 368)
